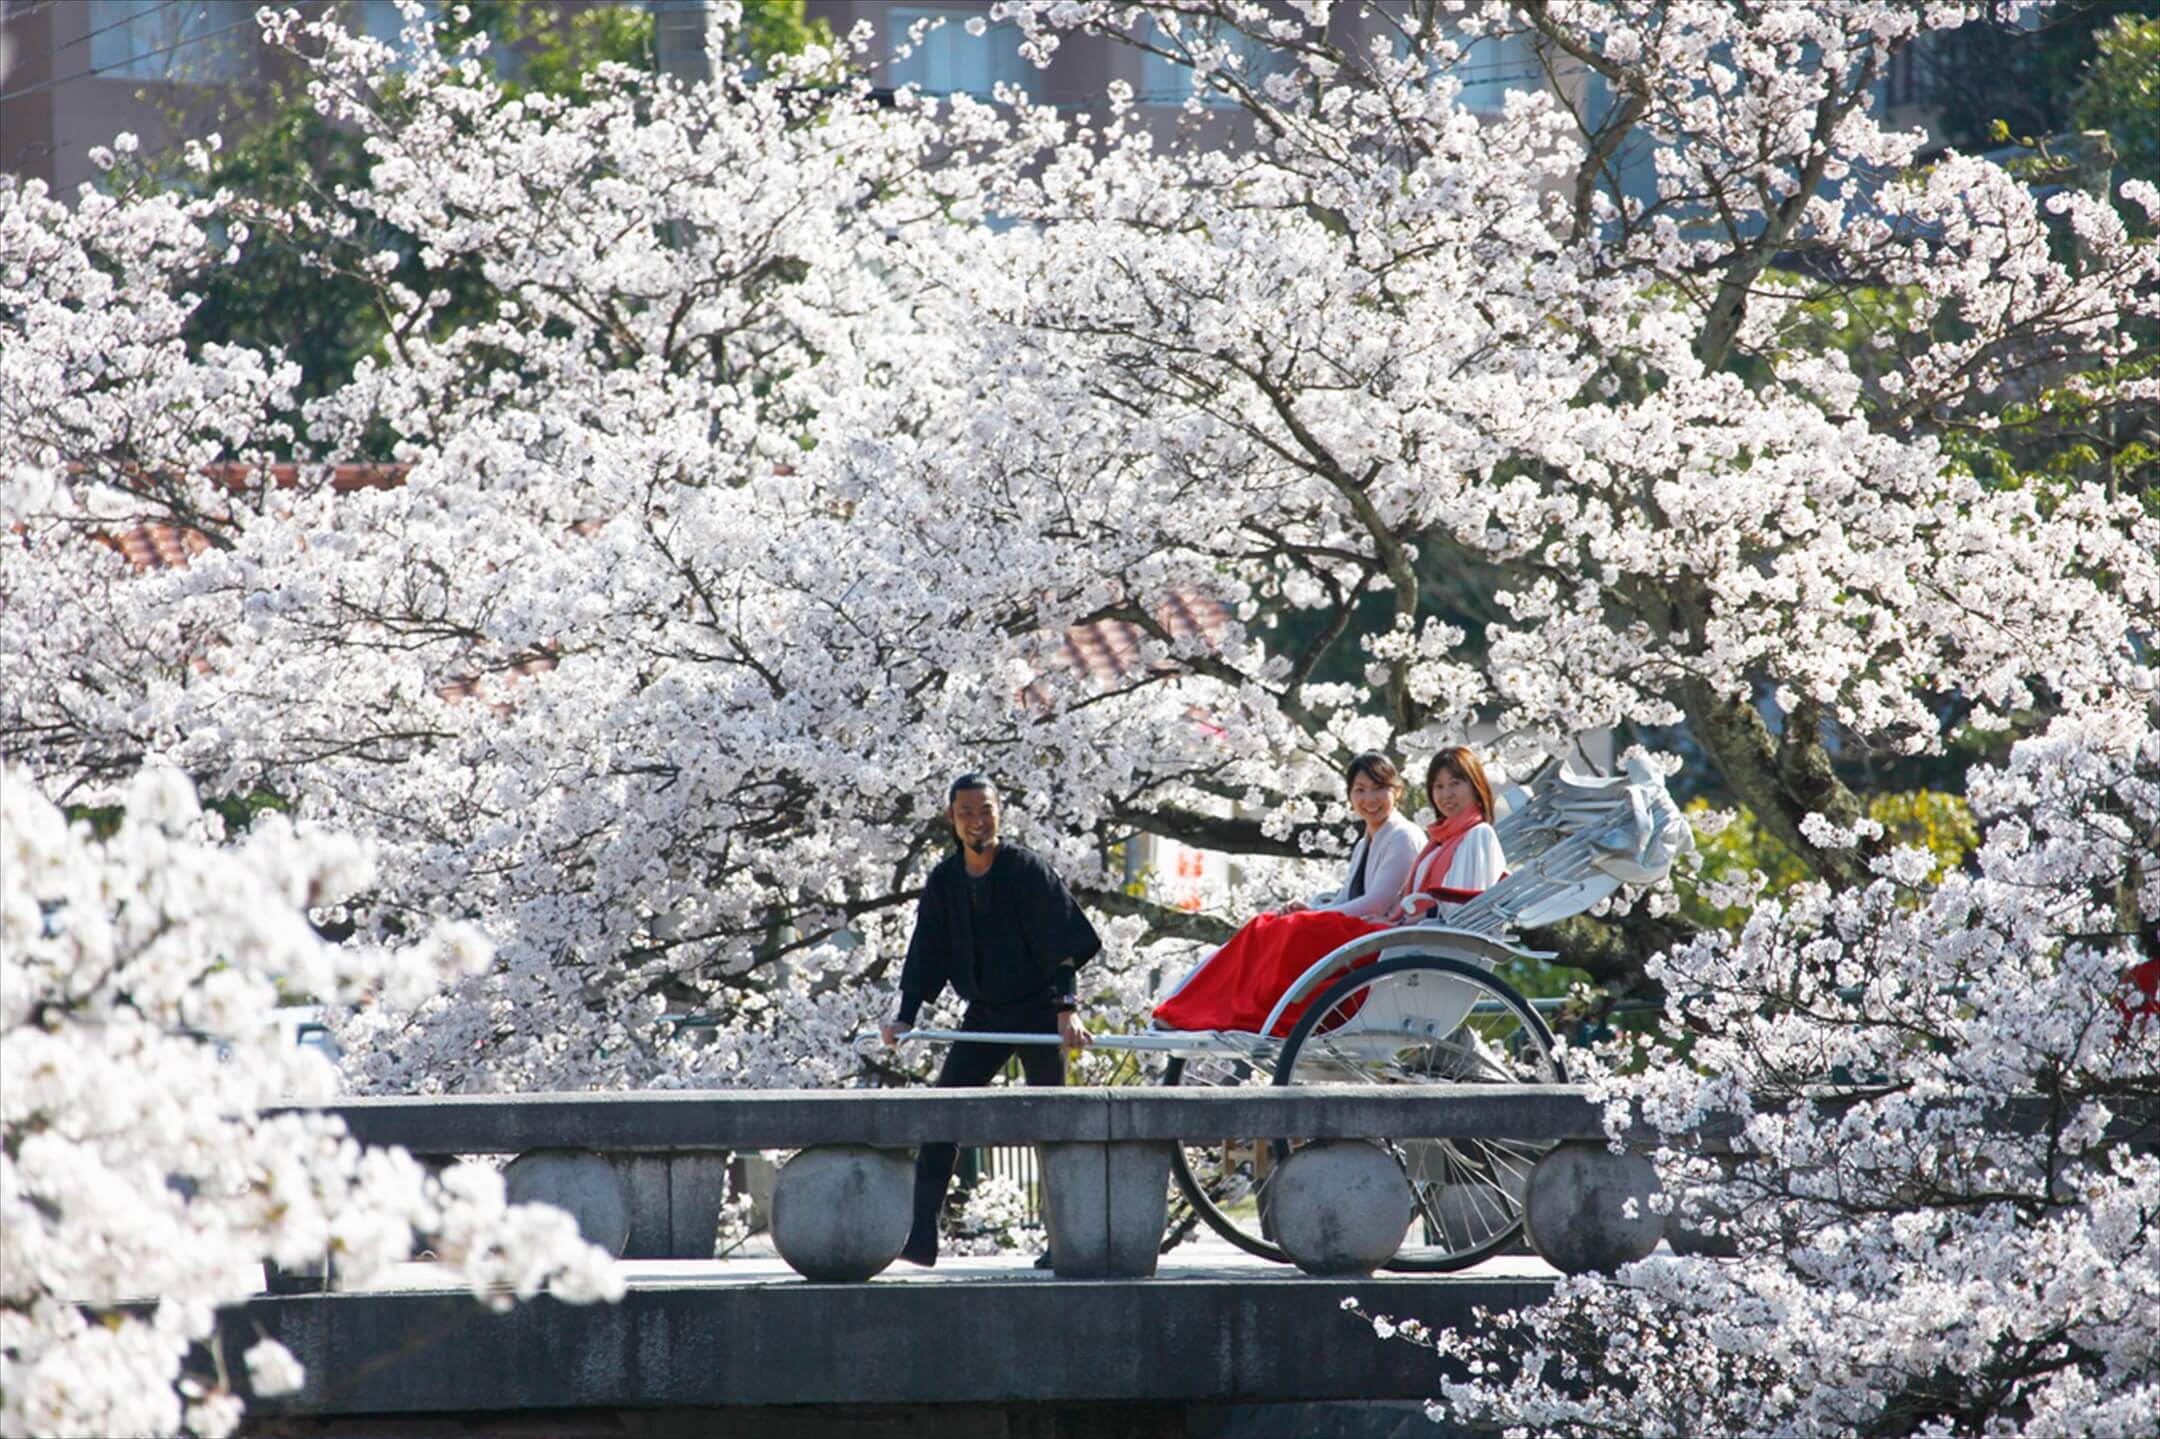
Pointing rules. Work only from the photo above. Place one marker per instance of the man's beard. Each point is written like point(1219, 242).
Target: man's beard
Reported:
point(980, 846)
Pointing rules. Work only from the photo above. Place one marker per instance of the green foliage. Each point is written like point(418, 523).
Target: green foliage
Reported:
point(1851, 322)
point(551, 52)
point(2120, 92)
point(237, 810)
point(1942, 824)
point(2069, 434)
point(103, 819)
point(1939, 823)
point(283, 296)
point(2021, 75)
point(1729, 856)
point(1542, 979)
point(778, 27)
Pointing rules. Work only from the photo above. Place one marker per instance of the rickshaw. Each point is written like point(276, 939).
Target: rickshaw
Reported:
point(1425, 1004)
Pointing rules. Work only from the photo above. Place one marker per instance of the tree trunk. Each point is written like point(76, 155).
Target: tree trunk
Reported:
point(1780, 779)
point(1613, 952)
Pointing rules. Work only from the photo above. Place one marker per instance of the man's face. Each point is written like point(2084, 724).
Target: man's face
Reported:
point(975, 819)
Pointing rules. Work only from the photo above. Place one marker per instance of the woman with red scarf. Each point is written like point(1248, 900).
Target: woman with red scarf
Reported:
point(1237, 985)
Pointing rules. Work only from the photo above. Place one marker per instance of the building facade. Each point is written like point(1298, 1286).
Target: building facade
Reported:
point(78, 72)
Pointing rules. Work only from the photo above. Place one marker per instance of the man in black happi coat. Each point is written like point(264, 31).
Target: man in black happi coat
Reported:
point(999, 926)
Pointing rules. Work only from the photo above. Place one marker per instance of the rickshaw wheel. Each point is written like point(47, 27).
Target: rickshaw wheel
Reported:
point(1226, 1180)
point(1387, 1024)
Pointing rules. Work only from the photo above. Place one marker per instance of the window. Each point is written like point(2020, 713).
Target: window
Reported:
point(1492, 66)
point(1167, 82)
point(185, 41)
point(950, 61)
point(1489, 68)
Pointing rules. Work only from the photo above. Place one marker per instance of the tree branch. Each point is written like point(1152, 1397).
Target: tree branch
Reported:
point(1164, 922)
point(1779, 779)
point(1202, 831)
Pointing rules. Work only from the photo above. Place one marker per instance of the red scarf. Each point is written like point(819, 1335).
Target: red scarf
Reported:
point(1443, 839)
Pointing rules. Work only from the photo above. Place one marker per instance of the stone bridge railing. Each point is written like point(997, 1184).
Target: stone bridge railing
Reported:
point(645, 1173)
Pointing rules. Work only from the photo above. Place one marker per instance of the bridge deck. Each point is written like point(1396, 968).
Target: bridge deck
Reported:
point(1213, 1326)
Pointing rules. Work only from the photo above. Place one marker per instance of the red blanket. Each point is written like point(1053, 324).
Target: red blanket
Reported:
point(1238, 986)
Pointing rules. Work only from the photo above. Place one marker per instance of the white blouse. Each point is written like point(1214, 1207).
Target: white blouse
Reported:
point(1393, 850)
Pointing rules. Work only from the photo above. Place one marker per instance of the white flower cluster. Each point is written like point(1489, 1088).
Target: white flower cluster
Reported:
point(1403, 326)
point(144, 1178)
point(992, 1219)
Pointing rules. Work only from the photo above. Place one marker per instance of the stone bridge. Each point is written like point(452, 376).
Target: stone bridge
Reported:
point(1207, 1344)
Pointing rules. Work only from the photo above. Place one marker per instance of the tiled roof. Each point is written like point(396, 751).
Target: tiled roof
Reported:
point(158, 547)
point(1108, 651)
point(343, 478)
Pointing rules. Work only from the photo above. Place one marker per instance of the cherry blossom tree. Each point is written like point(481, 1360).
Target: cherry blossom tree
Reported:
point(798, 424)
point(1620, 406)
point(639, 666)
point(143, 1181)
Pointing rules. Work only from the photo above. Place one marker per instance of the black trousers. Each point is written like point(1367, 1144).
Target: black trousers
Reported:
point(968, 1065)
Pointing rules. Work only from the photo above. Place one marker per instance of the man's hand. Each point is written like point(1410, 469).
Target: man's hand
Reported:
point(1295, 906)
point(891, 1030)
point(1071, 1032)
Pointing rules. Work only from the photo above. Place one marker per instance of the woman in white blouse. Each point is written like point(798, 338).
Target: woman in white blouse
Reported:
point(1380, 864)
point(1236, 987)
point(1463, 856)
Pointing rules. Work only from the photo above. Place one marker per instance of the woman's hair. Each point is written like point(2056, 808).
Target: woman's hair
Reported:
point(1462, 762)
point(1376, 767)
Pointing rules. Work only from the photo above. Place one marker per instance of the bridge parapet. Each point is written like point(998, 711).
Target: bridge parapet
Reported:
point(679, 1121)
point(657, 1159)
point(644, 1172)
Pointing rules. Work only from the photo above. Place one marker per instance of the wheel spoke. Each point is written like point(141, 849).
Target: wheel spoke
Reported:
point(1227, 1181)
point(1419, 1192)
point(1417, 1020)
